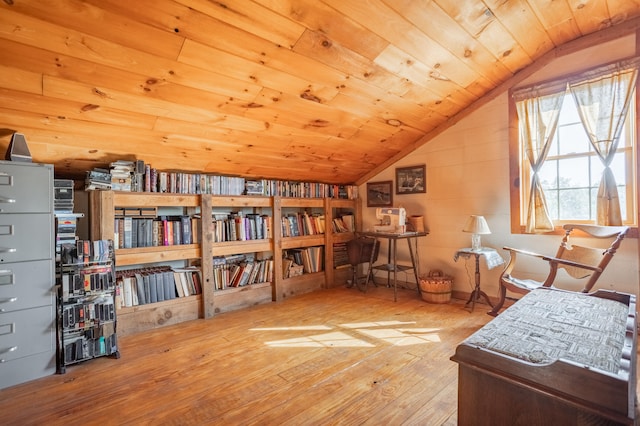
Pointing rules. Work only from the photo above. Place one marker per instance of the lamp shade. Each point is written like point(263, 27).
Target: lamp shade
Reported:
point(476, 225)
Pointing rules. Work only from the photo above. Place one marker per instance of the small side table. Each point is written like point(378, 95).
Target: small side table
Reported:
point(492, 258)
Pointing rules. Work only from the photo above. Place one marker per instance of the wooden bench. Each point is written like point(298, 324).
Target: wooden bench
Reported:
point(554, 357)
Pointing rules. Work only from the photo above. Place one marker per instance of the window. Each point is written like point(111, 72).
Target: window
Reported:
point(570, 174)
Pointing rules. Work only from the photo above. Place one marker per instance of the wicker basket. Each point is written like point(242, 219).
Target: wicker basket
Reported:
point(436, 287)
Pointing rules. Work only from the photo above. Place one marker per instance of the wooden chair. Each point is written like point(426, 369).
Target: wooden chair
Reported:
point(584, 263)
point(362, 250)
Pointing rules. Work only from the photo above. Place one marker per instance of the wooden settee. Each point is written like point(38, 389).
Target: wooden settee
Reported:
point(554, 357)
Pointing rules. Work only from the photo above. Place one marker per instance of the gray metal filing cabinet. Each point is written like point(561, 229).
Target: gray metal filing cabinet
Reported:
point(27, 262)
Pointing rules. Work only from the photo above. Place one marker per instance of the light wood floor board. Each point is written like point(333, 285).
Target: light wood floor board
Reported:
point(338, 357)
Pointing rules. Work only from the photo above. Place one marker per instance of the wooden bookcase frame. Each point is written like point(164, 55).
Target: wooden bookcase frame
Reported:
point(135, 319)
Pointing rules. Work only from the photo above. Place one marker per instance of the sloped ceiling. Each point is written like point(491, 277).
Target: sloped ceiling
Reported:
point(323, 90)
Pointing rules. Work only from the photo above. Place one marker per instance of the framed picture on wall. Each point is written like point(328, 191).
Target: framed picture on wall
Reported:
point(380, 194)
point(411, 180)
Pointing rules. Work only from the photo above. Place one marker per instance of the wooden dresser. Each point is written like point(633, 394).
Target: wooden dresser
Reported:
point(554, 357)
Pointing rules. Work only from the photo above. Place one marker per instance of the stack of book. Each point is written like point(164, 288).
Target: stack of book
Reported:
point(98, 179)
point(156, 284)
point(122, 175)
point(66, 220)
point(311, 258)
point(240, 270)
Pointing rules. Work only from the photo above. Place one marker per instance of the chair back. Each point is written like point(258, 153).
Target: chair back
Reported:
point(596, 257)
point(362, 250)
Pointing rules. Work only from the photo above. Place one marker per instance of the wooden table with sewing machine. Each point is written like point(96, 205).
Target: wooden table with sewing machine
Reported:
point(392, 227)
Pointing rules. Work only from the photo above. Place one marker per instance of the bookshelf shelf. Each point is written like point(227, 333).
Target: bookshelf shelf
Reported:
point(303, 241)
point(139, 255)
point(240, 247)
point(342, 237)
point(301, 284)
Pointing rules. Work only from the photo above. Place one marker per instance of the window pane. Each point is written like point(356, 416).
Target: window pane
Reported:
point(622, 195)
point(596, 171)
point(552, 204)
point(574, 204)
point(594, 202)
point(573, 139)
point(618, 168)
point(569, 111)
point(574, 172)
point(549, 174)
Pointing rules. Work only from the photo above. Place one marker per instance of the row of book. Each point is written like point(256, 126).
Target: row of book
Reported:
point(239, 227)
point(131, 232)
point(87, 345)
point(140, 177)
point(156, 284)
point(344, 223)
point(295, 225)
point(340, 255)
point(86, 251)
point(240, 270)
point(311, 258)
point(82, 282)
point(88, 313)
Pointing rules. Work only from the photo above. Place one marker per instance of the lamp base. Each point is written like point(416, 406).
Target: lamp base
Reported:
point(475, 242)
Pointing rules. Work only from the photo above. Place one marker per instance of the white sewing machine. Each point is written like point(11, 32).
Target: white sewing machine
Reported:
point(392, 220)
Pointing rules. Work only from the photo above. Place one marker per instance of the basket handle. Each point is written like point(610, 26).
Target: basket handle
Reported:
point(436, 273)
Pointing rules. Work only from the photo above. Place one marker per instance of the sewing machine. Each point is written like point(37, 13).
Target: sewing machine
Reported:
point(392, 220)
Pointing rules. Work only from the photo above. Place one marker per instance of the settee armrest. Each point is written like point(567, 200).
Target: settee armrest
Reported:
point(525, 252)
point(571, 263)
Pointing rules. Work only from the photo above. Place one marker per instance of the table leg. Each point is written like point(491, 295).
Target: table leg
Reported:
point(413, 263)
point(389, 246)
point(395, 270)
point(477, 293)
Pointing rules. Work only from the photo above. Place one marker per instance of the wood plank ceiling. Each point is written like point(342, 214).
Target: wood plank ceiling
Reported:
point(322, 90)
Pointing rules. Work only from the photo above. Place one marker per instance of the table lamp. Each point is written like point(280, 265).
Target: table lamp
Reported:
point(476, 226)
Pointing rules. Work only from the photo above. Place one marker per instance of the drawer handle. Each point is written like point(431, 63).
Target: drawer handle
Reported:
point(7, 300)
point(6, 351)
point(7, 250)
point(7, 200)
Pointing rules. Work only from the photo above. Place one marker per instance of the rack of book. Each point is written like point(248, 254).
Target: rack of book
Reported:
point(343, 216)
point(138, 176)
point(86, 314)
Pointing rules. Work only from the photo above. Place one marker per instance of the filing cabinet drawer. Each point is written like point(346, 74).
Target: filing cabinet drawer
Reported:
point(26, 332)
point(26, 237)
point(26, 285)
point(28, 368)
point(26, 188)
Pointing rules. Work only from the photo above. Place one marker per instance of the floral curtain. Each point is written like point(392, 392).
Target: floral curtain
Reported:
point(538, 118)
point(603, 102)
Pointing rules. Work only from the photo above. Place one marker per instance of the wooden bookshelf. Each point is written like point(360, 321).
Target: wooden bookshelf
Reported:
point(223, 300)
point(138, 318)
point(135, 319)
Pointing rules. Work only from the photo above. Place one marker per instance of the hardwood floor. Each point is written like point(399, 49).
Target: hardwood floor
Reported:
point(331, 357)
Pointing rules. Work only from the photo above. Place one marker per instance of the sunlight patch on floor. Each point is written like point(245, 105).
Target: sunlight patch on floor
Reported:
point(394, 333)
point(331, 340)
point(294, 328)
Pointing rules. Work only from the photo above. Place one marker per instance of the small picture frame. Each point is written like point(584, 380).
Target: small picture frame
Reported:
point(411, 180)
point(380, 194)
